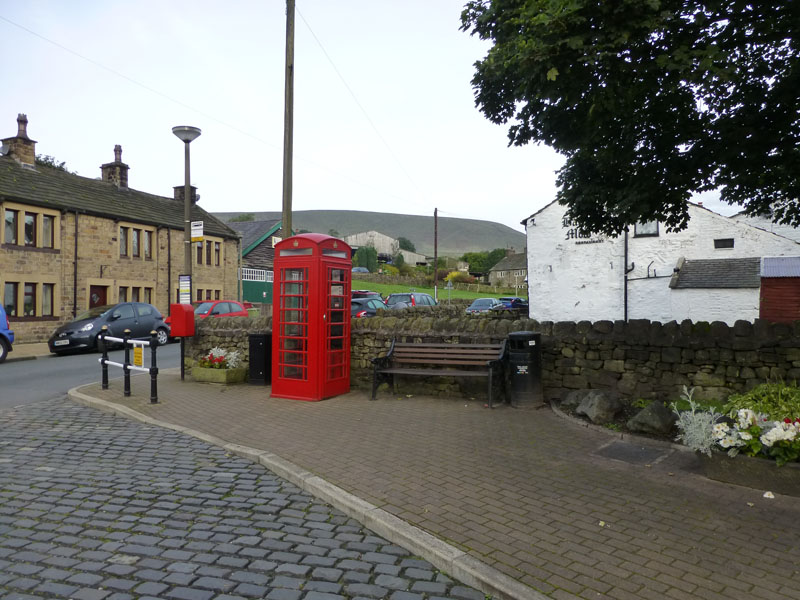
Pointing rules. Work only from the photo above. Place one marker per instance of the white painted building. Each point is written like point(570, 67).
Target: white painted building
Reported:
point(384, 244)
point(765, 222)
point(573, 278)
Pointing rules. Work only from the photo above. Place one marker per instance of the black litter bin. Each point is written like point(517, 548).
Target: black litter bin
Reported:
point(525, 361)
point(260, 358)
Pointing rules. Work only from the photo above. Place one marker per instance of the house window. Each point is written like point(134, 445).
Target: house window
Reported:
point(216, 254)
point(135, 240)
point(208, 253)
point(123, 294)
point(199, 253)
point(208, 294)
point(148, 244)
point(723, 243)
point(648, 229)
point(48, 231)
point(123, 241)
point(135, 294)
point(148, 295)
point(30, 229)
point(10, 298)
point(29, 300)
point(216, 294)
point(199, 295)
point(47, 299)
point(11, 226)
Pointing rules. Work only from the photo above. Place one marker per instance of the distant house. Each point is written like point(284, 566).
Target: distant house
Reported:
point(512, 271)
point(258, 257)
point(385, 246)
point(69, 243)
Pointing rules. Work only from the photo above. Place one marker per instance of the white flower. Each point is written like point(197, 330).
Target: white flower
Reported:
point(779, 431)
point(720, 430)
point(745, 436)
point(729, 441)
point(746, 418)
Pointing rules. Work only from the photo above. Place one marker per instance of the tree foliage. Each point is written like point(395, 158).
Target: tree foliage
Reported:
point(649, 101)
point(481, 262)
point(242, 218)
point(366, 256)
point(45, 160)
point(406, 244)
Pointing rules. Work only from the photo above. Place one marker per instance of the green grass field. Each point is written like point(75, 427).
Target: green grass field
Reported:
point(384, 289)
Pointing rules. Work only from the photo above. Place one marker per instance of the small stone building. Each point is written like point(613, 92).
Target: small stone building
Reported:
point(511, 271)
point(69, 243)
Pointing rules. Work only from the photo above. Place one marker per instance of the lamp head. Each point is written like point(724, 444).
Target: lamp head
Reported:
point(186, 133)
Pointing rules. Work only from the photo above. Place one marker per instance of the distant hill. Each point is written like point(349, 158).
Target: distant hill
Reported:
point(456, 236)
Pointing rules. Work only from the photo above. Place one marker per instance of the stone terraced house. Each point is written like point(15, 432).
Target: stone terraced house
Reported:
point(69, 243)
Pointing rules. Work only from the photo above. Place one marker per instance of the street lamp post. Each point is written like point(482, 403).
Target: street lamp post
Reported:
point(186, 134)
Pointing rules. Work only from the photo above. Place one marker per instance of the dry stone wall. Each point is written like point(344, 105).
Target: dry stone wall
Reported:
point(638, 359)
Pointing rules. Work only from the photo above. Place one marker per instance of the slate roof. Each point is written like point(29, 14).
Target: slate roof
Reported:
point(719, 273)
point(254, 232)
point(52, 188)
point(780, 266)
point(514, 262)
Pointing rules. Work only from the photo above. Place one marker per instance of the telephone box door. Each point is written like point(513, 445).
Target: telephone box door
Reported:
point(337, 331)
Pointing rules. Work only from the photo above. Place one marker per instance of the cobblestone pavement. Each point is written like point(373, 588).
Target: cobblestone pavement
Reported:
point(99, 507)
point(569, 511)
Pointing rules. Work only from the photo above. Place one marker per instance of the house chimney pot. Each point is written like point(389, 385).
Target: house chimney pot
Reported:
point(22, 126)
point(180, 192)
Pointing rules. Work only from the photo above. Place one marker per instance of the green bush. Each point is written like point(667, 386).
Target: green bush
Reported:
point(777, 401)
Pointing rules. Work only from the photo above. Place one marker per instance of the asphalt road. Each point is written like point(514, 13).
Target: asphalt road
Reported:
point(97, 507)
point(28, 381)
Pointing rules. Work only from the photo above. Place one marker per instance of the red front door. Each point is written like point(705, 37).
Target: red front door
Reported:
point(97, 295)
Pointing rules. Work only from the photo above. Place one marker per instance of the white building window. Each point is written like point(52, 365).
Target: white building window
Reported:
point(650, 228)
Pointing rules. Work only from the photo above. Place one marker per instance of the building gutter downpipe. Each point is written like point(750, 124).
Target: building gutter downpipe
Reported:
point(75, 272)
point(626, 270)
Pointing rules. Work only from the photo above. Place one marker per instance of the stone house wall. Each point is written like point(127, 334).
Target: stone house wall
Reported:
point(639, 359)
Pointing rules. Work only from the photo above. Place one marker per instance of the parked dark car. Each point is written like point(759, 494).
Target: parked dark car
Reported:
point(482, 305)
point(406, 299)
point(366, 294)
point(82, 332)
point(514, 302)
point(6, 335)
point(366, 307)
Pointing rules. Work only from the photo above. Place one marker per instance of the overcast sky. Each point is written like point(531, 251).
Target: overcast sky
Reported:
point(384, 112)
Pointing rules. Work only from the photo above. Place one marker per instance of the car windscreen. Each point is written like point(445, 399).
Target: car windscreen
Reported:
point(93, 313)
point(395, 298)
point(203, 308)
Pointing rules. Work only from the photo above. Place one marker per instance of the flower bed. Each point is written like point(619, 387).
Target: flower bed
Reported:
point(753, 473)
point(209, 375)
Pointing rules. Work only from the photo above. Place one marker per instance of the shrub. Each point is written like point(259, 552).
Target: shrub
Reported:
point(776, 401)
point(696, 427)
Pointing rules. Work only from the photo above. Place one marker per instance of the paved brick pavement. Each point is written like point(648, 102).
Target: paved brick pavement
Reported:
point(94, 506)
point(531, 494)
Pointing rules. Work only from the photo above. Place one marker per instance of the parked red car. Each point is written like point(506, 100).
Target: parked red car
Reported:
point(218, 308)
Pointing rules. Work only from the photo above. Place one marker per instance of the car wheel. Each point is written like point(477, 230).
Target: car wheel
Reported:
point(162, 336)
point(3, 350)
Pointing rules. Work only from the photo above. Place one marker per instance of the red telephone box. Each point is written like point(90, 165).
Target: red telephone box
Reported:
point(311, 318)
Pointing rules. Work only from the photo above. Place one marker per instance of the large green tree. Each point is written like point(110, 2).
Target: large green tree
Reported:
point(649, 101)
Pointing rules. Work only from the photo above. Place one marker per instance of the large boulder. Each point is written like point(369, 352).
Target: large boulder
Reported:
point(599, 406)
point(654, 418)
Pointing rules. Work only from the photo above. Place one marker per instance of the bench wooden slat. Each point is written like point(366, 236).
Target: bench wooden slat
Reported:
point(443, 361)
point(435, 372)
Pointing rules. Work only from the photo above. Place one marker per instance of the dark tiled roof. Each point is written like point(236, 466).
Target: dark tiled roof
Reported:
point(780, 266)
point(514, 262)
point(52, 188)
point(252, 231)
point(719, 273)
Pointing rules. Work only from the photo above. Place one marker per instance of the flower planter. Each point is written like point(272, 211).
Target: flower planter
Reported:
point(207, 375)
point(758, 473)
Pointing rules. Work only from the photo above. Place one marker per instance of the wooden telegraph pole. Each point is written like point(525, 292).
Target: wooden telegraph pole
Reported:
point(288, 122)
point(436, 254)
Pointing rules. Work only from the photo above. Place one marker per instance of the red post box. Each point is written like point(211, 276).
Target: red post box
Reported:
point(181, 320)
point(311, 318)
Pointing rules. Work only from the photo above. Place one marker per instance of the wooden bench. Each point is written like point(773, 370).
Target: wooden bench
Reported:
point(439, 360)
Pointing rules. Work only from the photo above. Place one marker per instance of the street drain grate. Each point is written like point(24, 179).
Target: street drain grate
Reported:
point(632, 453)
